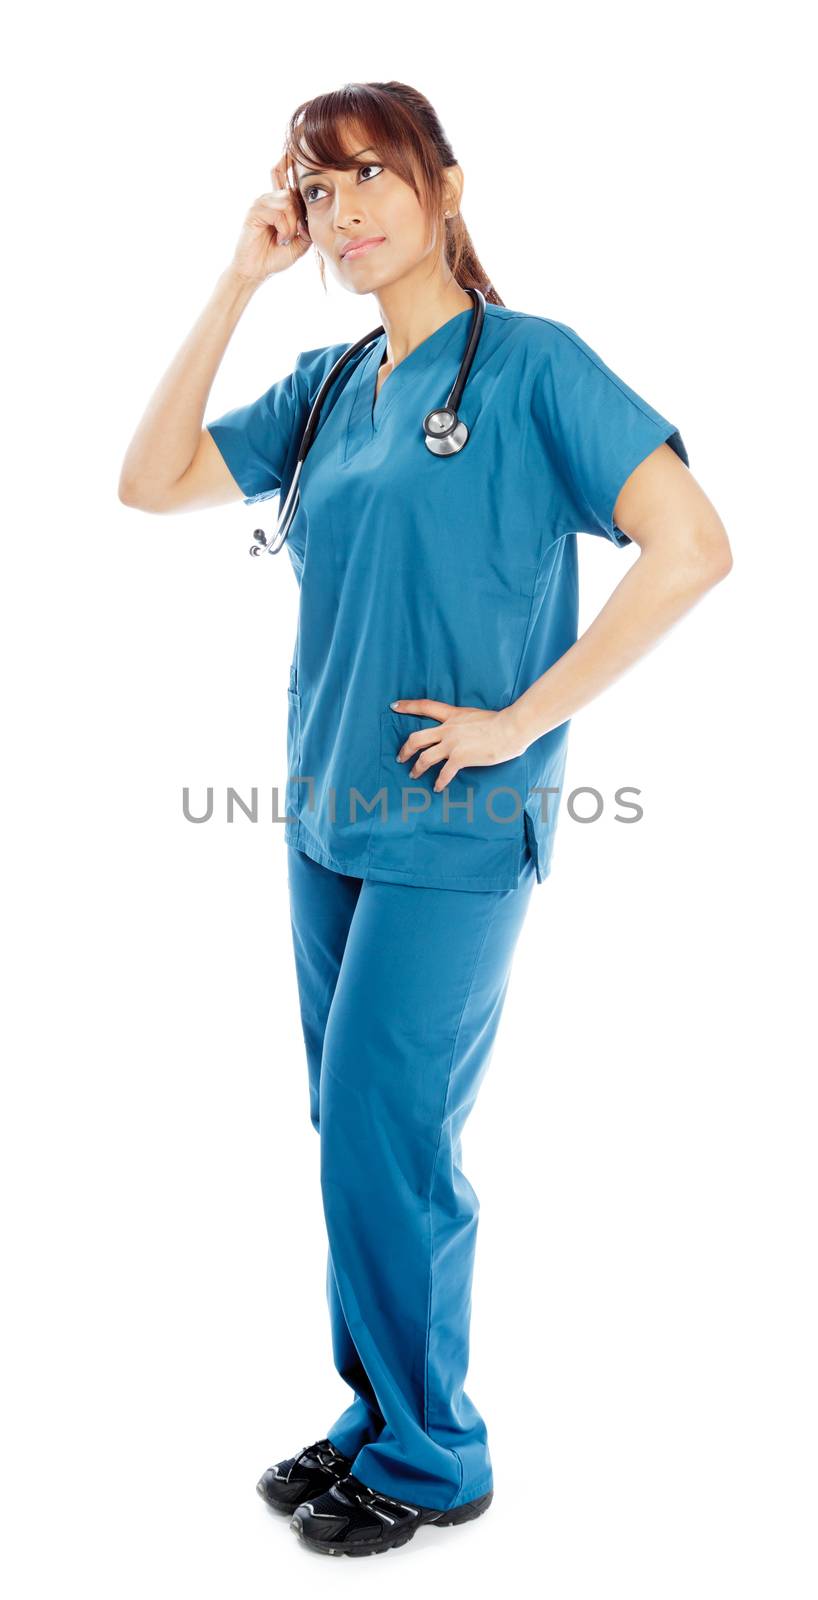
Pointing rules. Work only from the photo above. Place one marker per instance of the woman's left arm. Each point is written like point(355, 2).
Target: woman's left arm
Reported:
point(684, 551)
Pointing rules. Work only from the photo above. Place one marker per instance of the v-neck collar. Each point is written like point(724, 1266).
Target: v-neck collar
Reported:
point(369, 409)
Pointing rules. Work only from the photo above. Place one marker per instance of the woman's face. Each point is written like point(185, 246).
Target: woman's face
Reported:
point(368, 202)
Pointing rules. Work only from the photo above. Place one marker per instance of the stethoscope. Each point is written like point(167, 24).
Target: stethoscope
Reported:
point(444, 433)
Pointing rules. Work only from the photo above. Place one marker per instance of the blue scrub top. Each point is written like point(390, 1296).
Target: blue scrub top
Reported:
point(452, 578)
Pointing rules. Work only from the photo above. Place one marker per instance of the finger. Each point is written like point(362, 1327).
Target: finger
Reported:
point(418, 741)
point(282, 218)
point(445, 775)
point(429, 758)
point(279, 174)
point(424, 708)
point(280, 204)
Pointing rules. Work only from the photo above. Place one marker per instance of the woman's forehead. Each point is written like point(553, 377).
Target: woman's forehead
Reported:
point(352, 143)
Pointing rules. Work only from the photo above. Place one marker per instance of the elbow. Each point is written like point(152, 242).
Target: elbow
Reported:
point(709, 553)
point(700, 557)
point(718, 557)
point(128, 493)
point(723, 566)
point(125, 493)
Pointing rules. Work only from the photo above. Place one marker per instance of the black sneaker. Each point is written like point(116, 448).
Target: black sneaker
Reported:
point(353, 1520)
point(311, 1472)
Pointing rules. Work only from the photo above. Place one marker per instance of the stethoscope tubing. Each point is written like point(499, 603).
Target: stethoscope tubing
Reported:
point(444, 433)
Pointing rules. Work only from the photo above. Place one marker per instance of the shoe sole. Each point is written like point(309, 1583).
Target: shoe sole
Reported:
point(442, 1519)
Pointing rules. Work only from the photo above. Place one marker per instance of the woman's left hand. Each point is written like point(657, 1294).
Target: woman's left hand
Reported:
point(468, 736)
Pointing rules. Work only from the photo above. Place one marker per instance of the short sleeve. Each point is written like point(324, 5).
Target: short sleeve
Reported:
point(259, 441)
point(597, 431)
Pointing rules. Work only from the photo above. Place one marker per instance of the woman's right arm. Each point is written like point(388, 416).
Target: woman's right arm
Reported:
point(172, 463)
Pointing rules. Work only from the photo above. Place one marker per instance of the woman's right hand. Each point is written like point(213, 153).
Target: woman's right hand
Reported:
point(273, 236)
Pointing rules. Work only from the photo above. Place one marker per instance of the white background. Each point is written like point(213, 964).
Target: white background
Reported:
point(644, 1313)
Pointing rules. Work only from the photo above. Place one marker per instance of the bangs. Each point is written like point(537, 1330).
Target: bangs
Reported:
point(324, 131)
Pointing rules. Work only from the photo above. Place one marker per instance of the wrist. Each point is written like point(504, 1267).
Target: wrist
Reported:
point(237, 286)
point(519, 721)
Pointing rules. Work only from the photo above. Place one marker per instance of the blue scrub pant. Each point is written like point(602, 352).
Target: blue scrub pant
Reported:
point(401, 990)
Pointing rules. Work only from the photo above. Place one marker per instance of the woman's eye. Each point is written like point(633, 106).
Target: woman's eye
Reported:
point(371, 166)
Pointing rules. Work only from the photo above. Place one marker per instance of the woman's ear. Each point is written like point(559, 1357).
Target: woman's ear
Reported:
point(454, 189)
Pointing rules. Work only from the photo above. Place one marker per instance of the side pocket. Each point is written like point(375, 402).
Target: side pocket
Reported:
point(532, 842)
point(293, 790)
point(447, 836)
point(393, 832)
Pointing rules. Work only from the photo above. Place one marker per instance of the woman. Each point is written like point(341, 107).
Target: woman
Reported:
point(435, 669)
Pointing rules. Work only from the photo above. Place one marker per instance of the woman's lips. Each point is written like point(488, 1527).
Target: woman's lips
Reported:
point(361, 249)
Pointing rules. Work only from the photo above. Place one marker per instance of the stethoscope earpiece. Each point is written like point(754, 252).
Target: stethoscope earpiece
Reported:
point(444, 434)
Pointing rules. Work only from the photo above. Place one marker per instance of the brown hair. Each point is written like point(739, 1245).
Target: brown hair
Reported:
point(406, 131)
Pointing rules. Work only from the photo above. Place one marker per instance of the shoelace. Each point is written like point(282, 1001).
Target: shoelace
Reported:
point(326, 1454)
point(356, 1490)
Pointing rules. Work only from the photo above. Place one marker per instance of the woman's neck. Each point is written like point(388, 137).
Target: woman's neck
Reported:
point(408, 317)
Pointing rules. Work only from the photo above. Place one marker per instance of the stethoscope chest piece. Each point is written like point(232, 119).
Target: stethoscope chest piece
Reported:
point(444, 433)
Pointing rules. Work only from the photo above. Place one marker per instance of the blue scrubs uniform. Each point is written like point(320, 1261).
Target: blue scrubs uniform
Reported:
point(450, 578)
point(402, 989)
